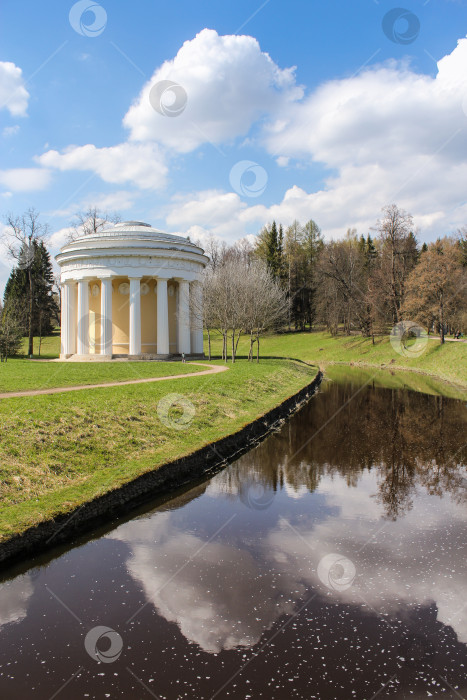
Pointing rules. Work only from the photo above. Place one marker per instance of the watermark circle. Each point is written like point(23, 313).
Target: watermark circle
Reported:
point(88, 28)
point(96, 635)
point(336, 572)
point(401, 26)
point(175, 411)
point(248, 179)
point(168, 98)
point(256, 496)
point(408, 339)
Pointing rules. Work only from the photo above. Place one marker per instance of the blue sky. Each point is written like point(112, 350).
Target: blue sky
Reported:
point(287, 110)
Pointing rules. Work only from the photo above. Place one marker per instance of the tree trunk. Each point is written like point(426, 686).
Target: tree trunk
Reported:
point(209, 343)
point(31, 307)
point(393, 285)
point(236, 344)
point(224, 346)
point(441, 318)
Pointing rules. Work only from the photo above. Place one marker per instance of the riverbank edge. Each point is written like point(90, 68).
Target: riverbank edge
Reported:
point(397, 368)
point(161, 481)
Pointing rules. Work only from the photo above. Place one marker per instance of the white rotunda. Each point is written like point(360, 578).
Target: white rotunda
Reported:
point(131, 290)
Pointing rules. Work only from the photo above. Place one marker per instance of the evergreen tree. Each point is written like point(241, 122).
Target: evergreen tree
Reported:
point(370, 251)
point(17, 291)
point(273, 250)
point(462, 241)
point(281, 264)
point(312, 246)
point(11, 330)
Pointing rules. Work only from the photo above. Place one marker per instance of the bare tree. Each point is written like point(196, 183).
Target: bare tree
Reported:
point(23, 235)
point(242, 296)
point(267, 306)
point(341, 271)
point(436, 289)
point(91, 221)
point(216, 250)
point(398, 254)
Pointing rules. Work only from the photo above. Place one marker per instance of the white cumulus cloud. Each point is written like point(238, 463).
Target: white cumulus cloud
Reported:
point(141, 164)
point(229, 83)
point(25, 179)
point(13, 95)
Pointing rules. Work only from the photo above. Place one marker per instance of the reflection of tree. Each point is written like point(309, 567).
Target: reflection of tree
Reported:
point(409, 438)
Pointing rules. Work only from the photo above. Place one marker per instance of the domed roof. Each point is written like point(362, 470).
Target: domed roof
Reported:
point(129, 248)
point(132, 229)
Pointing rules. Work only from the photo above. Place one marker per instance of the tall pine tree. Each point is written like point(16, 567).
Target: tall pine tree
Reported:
point(17, 291)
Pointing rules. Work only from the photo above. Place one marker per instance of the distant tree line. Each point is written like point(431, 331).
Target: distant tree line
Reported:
point(364, 284)
point(369, 284)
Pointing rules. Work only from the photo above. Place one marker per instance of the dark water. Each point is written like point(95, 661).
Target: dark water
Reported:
point(330, 562)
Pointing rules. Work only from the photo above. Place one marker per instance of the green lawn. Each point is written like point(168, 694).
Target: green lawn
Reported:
point(61, 450)
point(21, 374)
point(50, 346)
point(448, 361)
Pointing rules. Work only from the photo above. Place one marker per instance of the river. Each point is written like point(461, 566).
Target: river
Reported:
point(328, 562)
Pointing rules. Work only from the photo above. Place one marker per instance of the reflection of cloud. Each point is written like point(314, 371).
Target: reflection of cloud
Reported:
point(220, 600)
point(295, 491)
point(353, 502)
point(224, 595)
point(392, 567)
point(14, 599)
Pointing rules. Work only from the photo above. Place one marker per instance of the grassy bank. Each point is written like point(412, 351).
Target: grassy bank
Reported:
point(61, 450)
point(447, 362)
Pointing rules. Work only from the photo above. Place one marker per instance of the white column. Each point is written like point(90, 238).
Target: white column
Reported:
point(184, 317)
point(83, 317)
point(71, 324)
point(197, 319)
point(106, 316)
point(135, 316)
point(162, 317)
point(64, 319)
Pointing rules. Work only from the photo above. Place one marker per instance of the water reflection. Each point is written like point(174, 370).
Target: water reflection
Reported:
point(216, 592)
point(221, 592)
point(14, 599)
point(408, 439)
point(381, 448)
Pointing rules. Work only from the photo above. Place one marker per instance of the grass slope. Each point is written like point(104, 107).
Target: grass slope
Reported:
point(61, 450)
point(448, 361)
